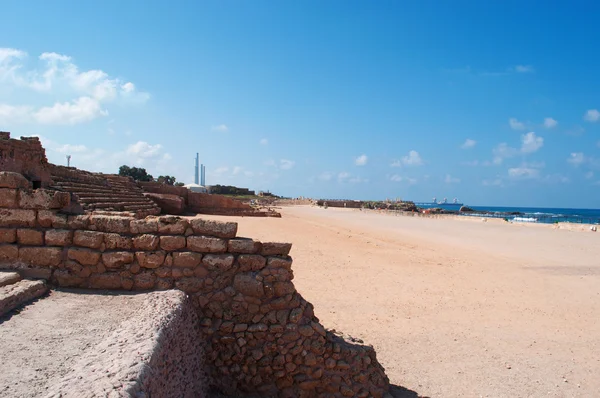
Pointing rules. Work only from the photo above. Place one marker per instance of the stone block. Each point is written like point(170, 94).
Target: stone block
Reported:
point(172, 225)
point(8, 197)
point(8, 235)
point(220, 229)
point(218, 261)
point(171, 243)
point(206, 244)
point(240, 245)
point(144, 226)
point(186, 259)
point(283, 288)
point(49, 218)
point(116, 241)
point(144, 281)
point(17, 218)
point(146, 242)
point(278, 262)
point(43, 199)
point(91, 239)
point(150, 259)
point(105, 281)
point(117, 259)
point(275, 249)
point(251, 262)
point(84, 256)
point(30, 237)
point(78, 222)
point(64, 278)
point(12, 180)
point(163, 284)
point(169, 204)
point(41, 256)
point(9, 253)
point(189, 285)
point(59, 237)
point(248, 285)
point(109, 223)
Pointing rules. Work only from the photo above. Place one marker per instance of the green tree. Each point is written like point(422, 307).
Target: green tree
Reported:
point(168, 180)
point(137, 173)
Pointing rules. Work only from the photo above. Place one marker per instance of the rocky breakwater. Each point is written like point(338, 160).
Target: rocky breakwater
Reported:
point(262, 338)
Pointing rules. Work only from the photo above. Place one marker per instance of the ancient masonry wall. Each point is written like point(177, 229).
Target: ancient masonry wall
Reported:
point(261, 336)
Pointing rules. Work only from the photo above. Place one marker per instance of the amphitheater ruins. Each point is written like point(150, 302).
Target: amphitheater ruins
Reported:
point(226, 315)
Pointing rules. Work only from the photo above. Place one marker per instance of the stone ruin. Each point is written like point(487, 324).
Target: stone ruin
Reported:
point(255, 334)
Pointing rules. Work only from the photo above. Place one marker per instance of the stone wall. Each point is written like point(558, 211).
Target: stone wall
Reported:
point(25, 156)
point(262, 336)
point(156, 187)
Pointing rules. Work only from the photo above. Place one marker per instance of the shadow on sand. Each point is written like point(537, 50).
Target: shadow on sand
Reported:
point(403, 392)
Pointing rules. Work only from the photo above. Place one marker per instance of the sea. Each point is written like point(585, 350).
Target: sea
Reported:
point(529, 214)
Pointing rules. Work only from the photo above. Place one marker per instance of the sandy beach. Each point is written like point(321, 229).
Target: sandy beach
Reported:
point(454, 308)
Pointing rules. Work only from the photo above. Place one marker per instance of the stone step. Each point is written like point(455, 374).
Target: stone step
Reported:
point(111, 198)
point(19, 293)
point(100, 205)
point(8, 278)
point(139, 207)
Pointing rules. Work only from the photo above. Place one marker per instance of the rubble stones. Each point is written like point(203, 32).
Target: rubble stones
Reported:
point(214, 228)
point(13, 180)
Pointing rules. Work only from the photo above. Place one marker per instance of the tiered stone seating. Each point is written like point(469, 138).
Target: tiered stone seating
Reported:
point(103, 192)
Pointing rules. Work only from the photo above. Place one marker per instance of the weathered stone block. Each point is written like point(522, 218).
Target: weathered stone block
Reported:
point(278, 262)
point(9, 253)
point(59, 237)
point(206, 244)
point(8, 197)
point(163, 284)
point(9, 179)
point(84, 256)
point(146, 242)
point(144, 281)
point(150, 259)
point(189, 285)
point(283, 288)
point(214, 228)
point(171, 243)
point(275, 249)
point(8, 235)
point(49, 218)
point(172, 225)
point(43, 199)
point(251, 262)
point(144, 226)
point(117, 259)
point(17, 218)
point(91, 239)
point(218, 261)
point(106, 223)
point(41, 256)
point(105, 281)
point(248, 285)
point(78, 222)
point(186, 259)
point(64, 278)
point(116, 241)
point(30, 237)
point(240, 245)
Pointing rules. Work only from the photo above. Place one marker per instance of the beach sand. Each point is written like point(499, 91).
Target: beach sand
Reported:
point(453, 307)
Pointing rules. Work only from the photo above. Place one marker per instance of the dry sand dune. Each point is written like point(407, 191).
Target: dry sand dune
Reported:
point(454, 308)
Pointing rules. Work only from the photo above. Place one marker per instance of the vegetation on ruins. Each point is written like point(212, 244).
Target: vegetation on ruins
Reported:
point(230, 190)
point(137, 173)
point(168, 180)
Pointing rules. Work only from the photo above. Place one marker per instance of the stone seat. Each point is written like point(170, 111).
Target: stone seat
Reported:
point(15, 291)
point(84, 197)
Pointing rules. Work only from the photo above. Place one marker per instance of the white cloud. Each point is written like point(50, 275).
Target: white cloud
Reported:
point(523, 172)
point(14, 114)
point(469, 143)
point(361, 160)
point(285, 164)
point(524, 69)
point(530, 142)
point(221, 127)
point(550, 123)
point(451, 180)
point(592, 115)
point(325, 176)
point(399, 178)
point(556, 178)
point(264, 141)
point(411, 159)
point(80, 110)
point(576, 158)
point(143, 150)
point(236, 170)
point(343, 176)
point(69, 149)
point(515, 124)
point(503, 151)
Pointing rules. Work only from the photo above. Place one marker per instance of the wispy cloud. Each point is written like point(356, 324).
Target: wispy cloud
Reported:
point(451, 180)
point(503, 151)
point(576, 158)
point(411, 159)
point(264, 141)
point(220, 127)
point(524, 69)
point(285, 164)
point(530, 142)
point(399, 178)
point(523, 172)
point(361, 160)
point(469, 143)
point(550, 123)
point(592, 115)
point(516, 124)
point(325, 176)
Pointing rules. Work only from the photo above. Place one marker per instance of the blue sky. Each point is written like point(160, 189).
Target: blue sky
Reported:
point(496, 103)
